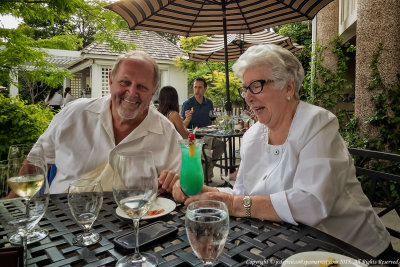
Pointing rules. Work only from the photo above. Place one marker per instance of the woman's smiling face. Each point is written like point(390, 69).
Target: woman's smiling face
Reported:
point(270, 104)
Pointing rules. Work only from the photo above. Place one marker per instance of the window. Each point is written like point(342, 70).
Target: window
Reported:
point(105, 88)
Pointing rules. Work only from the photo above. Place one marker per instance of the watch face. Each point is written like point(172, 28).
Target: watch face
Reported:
point(246, 201)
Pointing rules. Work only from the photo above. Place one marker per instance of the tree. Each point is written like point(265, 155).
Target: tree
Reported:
point(54, 24)
point(213, 72)
point(300, 33)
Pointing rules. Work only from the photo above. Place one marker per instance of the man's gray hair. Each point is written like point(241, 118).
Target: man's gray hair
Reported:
point(134, 54)
point(283, 64)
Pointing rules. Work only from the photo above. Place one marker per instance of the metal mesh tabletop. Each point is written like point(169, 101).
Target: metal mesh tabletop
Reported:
point(250, 242)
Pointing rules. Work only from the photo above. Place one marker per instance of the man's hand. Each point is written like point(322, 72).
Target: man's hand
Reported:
point(188, 114)
point(188, 117)
point(166, 181)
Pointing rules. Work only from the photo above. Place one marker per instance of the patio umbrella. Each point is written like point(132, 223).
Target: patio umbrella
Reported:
point(213, 49)
point(199, 17)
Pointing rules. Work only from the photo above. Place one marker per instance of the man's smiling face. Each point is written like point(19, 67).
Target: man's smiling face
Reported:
point(132, 88)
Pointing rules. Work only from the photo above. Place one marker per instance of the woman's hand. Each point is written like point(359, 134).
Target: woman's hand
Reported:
point(178, 194)
point(167, 180)
point(220, 196)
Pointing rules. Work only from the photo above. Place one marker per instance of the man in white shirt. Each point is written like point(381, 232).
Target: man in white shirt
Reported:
point(81, 137)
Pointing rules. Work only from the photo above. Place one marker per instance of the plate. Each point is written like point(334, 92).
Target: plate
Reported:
point(160, 203)
point(313, 258)
point(206, 130)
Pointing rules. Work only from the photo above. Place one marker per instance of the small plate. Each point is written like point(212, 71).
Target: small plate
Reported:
point(160, 203)
point(313, 258)
point(206, 130)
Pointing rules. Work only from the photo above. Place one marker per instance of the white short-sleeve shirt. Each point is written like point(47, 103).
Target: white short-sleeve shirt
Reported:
point(80, 138)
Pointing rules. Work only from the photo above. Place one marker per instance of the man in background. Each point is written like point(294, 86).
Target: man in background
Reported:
point(197, 108)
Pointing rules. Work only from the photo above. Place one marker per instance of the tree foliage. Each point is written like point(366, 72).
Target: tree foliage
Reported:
point(57, 24)
point(21, 122)
point(300, 33)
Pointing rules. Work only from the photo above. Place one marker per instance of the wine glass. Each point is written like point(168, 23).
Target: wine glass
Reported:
point(220, 120)
point(212, 116)
point(3, 178)
point(207, 228)
point(28, 180)
point(244, 114)
point(134, 189)
point(17, 154)
point(85, 198)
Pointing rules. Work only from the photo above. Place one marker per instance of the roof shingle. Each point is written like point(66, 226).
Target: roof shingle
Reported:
point(148, 41)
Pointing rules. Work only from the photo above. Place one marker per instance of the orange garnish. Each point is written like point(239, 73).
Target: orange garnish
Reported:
point(154, 212)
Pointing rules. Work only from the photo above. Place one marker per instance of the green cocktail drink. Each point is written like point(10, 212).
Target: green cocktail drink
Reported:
point(191, 175)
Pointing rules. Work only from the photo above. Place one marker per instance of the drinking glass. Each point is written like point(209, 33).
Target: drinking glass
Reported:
point(220, 120)
point(85, 197)
point(134, 189)
point(207, 228)
point(191, 174)
point(3, 178)
point(246, 118)
point(212, 116)
point(28, 180)
point(18, 154)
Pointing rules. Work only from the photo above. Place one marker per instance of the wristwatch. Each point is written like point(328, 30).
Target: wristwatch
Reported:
point(247, 205)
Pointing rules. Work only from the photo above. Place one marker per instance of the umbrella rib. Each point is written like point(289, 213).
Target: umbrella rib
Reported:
point(195, 19)
point(298, 10)
point(244, 18)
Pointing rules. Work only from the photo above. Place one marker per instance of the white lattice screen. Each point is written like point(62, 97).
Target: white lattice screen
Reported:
point(105, 89)
point(76, 84)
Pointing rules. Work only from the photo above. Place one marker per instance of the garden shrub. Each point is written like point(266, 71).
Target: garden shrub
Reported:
point(21, 122)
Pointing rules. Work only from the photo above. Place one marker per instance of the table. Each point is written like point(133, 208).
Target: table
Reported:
point(250, 241)
point(229, 156)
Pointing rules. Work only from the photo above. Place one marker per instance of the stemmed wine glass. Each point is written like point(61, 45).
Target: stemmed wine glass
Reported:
point(18, 154)
point(212, 115)
point(207, 228)
point(220, 119)
point(134, 189)
point(28, 180)
point(85, 198)
point(246, 118)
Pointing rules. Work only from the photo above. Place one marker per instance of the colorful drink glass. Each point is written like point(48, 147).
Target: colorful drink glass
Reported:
point(191, 175)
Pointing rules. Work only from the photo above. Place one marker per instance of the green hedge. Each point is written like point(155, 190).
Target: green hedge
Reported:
point(21, 122)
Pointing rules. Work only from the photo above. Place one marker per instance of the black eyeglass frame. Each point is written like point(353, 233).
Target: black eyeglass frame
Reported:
point(243, 90)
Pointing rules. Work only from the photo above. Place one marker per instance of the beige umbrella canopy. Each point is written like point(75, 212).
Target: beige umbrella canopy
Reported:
point(202, 17)
point(213, 48)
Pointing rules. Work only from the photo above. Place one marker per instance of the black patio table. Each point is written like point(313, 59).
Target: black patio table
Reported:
point(229, 157)
point(250, 242)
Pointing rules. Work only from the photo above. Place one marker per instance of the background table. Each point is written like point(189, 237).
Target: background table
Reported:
point(250, 241)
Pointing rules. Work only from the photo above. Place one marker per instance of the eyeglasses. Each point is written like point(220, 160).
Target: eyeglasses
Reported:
point(255, 87)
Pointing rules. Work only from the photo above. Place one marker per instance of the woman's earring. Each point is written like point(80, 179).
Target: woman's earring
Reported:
point(288, 98)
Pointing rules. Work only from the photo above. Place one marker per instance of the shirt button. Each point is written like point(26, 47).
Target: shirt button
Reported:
point(276, 152)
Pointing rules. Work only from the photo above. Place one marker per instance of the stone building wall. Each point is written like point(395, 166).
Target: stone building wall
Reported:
point(377, 21)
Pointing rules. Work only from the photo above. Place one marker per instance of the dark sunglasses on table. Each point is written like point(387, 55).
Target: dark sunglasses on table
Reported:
point(255, 87)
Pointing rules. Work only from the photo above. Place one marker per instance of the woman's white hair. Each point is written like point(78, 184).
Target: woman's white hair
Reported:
point(284, 66)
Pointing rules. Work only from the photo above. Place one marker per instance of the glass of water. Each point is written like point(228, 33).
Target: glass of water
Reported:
point(85, 198)
point(207, 228)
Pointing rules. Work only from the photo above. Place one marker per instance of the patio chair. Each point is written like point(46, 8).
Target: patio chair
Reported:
point(379, 183)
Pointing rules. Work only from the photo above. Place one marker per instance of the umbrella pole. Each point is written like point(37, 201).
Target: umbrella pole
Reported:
point(228, 104)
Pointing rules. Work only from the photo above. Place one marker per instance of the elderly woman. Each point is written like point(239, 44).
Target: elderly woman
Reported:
point(295, 165)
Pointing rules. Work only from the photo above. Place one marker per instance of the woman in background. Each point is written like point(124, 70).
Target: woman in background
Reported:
point(67, 96)
point(54, 99)
point(168, 105)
